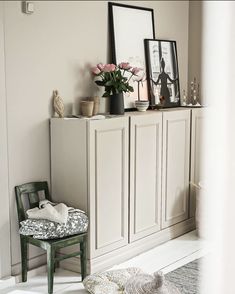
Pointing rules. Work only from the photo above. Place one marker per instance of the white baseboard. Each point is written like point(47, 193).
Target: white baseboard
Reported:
point(131, 250)
point(38, 264)
point(33, 263)
point(32, 273)
point(7, 282)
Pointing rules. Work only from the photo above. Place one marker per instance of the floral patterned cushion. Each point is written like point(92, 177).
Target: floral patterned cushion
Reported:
point(110, 282)
point(44, 229)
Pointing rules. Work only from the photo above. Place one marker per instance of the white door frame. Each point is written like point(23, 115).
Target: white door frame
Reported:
point(5, 253)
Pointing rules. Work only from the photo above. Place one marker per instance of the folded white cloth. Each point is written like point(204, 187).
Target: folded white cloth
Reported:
point(56, 212)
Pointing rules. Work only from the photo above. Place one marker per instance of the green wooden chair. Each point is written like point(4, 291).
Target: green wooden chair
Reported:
point(32, 192)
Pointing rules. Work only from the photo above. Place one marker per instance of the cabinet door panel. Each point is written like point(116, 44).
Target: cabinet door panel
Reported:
point(108, 185)
point(145, 175)
point(196, 155)
point(175, 189)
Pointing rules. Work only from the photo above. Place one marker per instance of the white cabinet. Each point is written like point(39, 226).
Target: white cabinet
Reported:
point(108, 184)
point(175, 169)
point(89, 170)
point(130, 174)
point(198, 119)
point(145, 174)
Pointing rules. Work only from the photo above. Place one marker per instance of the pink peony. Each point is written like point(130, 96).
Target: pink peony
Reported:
point(125, 65)
point(135, 70)
point(95, 70)
point(109, 67)
point(100, 66)
point(139, 77)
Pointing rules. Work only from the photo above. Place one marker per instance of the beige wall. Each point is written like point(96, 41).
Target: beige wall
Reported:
point(53, 49)
point(195, 41)
point(5, 269)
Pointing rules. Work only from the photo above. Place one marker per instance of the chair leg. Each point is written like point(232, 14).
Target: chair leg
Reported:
point(24, 257)
point(50, 268)
point(57, 263)
point(83, 249)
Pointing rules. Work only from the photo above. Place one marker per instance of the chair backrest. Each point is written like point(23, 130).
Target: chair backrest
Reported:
point(32, 191)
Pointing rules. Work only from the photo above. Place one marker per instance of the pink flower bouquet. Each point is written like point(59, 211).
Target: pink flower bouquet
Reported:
point(115, 78)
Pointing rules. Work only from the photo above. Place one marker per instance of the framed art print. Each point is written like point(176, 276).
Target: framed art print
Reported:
point(162, 73)
point(129, 26)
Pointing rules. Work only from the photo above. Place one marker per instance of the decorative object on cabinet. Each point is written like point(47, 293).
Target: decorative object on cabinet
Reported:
point(129, 26)
point(141, 105)
point(87, 108)
point(185, 98)
point(29, 195)
point(115, 81)
point(58, 104)
point(194, 94)
point(96, 100)
point(162, 73)
point(116, 105)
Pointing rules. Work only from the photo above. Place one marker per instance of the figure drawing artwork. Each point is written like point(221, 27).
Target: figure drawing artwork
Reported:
point(162, 73)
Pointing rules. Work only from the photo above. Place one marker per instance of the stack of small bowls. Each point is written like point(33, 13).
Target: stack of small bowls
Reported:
point(142, 105)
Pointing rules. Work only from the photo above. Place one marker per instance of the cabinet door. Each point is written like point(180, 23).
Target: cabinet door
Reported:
point(145, 174)
point(108, 184)
point(175, 178)
point(196, 155)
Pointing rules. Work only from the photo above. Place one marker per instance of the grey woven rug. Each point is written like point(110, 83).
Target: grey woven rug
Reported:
point(186, 278)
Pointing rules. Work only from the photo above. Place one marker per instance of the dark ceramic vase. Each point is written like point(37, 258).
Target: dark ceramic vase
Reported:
point(117, 104)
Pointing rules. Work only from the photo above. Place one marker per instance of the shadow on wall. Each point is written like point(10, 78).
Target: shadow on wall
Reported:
point(87, 89)
point(39, 138)
point(85, 86)
point(195, 43)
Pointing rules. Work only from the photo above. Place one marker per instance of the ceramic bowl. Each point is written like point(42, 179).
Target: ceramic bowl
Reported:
point(141, 105)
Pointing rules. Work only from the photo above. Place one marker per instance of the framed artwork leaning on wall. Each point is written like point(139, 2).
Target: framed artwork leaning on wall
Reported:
point(162, 73)
point(129, 26)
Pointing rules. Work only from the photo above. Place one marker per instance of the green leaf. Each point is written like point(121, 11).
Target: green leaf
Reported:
point(106, 94)
point(99, 83)
point(130, 88)
point(109, 83)
point(123, 87)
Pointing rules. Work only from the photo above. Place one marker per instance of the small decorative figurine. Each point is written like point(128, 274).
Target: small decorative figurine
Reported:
point(191, 91)
point(194, 94)
point(198, 92)
point(58, 104)
point(184, 102)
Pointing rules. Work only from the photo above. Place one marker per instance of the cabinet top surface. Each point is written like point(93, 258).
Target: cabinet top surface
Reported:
point(127, 114)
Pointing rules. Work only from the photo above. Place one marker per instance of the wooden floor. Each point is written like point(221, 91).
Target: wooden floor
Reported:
point(165, 257)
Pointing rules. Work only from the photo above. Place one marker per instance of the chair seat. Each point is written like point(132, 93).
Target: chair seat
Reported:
point(57, 243)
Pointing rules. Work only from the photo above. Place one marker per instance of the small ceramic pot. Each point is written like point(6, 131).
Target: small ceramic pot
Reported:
point(141, 105)
point(87, 108)
point(96, 105)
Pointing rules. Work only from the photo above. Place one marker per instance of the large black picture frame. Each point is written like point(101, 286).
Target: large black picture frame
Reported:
point(162, 73)
point(129, 26)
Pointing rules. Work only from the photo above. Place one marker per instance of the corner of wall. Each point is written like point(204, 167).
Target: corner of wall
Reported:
point(195, 41)
point(5, 254)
